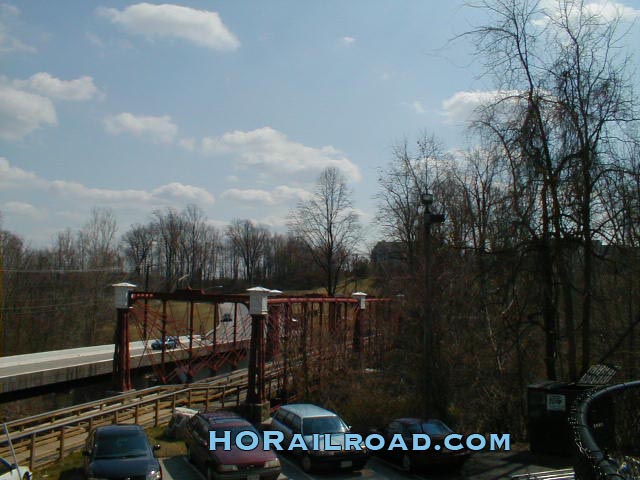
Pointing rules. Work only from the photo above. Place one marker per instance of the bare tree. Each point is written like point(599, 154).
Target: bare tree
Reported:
point(328, 225)
point(248, 240)
point(564, 96)
point(138, 241)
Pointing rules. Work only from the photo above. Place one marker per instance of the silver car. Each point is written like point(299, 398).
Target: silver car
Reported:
point(307, 420)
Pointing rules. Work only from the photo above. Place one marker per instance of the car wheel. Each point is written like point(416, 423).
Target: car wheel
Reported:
point(406, 462)
point(190, 455)
point(305, 463)
point(209, 473)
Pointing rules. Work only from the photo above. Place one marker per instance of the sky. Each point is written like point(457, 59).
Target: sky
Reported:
point(234, 106)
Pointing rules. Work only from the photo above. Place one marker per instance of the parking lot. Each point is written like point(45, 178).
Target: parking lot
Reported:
point(482, 466)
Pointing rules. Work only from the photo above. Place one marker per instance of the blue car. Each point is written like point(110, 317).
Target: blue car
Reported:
point(170, 342)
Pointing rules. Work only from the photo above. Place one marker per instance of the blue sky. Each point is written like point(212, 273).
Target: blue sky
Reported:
point(234, 106)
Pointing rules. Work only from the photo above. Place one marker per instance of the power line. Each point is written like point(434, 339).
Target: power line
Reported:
point(84, 270)
point(54, 306)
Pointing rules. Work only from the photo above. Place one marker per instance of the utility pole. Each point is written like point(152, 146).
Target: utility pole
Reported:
point(427, 325)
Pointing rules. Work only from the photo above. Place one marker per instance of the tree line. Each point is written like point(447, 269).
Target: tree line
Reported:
point(61, 297)
point(535, 268)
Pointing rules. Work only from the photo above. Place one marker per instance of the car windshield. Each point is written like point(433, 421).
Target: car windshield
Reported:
point(121, 446)
point(432, 427)
point(235, 430)
point(322, 425)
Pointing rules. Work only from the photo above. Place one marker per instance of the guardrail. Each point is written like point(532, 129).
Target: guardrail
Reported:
point(46, 438)
point(605, 424)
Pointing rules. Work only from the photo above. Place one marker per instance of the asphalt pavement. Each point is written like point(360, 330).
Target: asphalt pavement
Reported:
point(482, 466)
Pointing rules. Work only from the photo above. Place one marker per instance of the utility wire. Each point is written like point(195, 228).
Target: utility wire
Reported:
point(86, 270)
point(40, 307)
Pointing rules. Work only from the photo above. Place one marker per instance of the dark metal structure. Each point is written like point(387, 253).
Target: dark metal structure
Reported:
point(606, 426)
point(301, 337)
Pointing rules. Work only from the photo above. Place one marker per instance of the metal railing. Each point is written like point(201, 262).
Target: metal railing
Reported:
point(605, 424)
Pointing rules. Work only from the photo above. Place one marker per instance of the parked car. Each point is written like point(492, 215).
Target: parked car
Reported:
point(120, 451)
point(307, 419)
point(178, 423)
point(235, 464)
point(170, 343)
point(12, 471)
point(417, 459)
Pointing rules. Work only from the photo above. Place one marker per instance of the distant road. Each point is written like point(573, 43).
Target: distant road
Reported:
point(72, 357)
point(42, 368)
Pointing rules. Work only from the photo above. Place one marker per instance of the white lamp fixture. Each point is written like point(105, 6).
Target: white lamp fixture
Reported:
point(361, 297)
point(122, 294)
point(258, 299)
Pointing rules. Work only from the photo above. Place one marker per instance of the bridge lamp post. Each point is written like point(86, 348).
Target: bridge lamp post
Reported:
point(358, 331)
point(257, 407)
point(427, 334)
point(121, 354)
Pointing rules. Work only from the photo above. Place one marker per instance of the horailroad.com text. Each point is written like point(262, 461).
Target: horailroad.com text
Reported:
point(250, 440)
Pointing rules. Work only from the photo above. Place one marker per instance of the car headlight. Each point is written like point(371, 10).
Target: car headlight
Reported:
point(154, 475)
point(227, 468)
point(272, 463)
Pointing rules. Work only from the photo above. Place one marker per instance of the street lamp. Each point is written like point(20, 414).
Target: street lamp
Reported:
point(427, 333)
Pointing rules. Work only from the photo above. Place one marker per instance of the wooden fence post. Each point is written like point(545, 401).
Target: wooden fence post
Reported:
point(32, 457)
point(62, 442)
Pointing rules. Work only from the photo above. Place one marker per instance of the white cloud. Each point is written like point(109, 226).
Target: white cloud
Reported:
point(15, 178)
point(179, 191)
point(9, 43)
point(271, 150)
point(22, 112)
point(43, 83)
point(21, 209)
point(279, 195)
point(463, 106)
point(160, 129)
point(347, 40)
point(606, 10)
point(248, 196)
point(201, 27)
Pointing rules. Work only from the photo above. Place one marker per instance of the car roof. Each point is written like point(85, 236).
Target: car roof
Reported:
point(307, 410)
point(413, 420)
point(221, 416)
point(119, 430)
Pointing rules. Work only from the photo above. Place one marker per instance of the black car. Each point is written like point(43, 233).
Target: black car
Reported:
point(437, 455)
point(120, 451)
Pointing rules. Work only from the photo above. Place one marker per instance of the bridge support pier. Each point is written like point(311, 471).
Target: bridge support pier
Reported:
point(257, 405)
point(121, 356)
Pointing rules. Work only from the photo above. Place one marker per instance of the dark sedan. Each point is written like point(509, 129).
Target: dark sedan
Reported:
point(170, 343)
point(235, 463)
point(436, 455)
point(120, 451)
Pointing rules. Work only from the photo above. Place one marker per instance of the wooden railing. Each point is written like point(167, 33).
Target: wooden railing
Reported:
point(46, 438)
